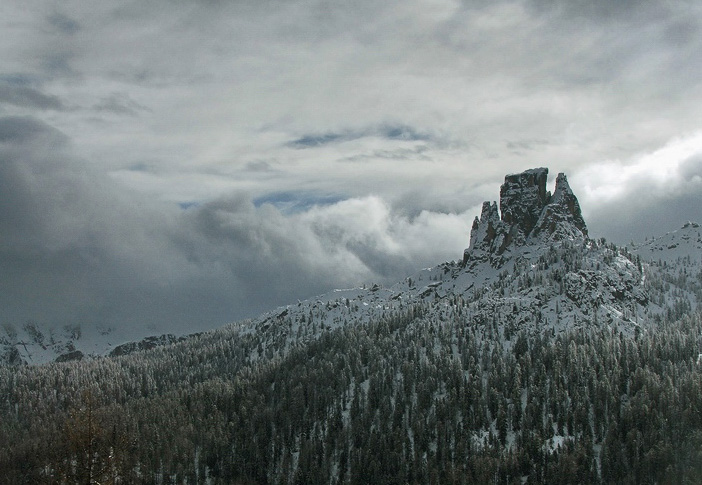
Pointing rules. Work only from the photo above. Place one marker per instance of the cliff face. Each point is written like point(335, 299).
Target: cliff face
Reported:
point(527, 212)
point(523, 197)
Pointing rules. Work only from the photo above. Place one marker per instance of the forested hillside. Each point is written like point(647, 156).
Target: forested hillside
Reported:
point(543, 357)
point(403, 400)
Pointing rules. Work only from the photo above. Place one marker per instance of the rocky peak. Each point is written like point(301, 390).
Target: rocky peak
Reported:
point(528, 212)
point(522, 198)
point(485, 228)
point(561, 218)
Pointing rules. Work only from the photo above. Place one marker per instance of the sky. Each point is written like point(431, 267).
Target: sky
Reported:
point(184, 164)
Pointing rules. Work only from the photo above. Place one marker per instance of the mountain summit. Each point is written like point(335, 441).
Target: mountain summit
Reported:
point(528, 212)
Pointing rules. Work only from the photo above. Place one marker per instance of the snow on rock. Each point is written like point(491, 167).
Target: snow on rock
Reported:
point(561, 218)
point(523, 197)
point(685, 242)
point(529, 215)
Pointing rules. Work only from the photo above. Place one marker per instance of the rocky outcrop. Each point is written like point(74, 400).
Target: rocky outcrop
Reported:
point(523, 197)
point(147, 343)
point(527, 212)
point(485, 231)
point(9, 355)
point(69, 356)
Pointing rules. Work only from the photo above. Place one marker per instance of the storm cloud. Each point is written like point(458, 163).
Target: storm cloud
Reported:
point(179, 165)
point(75, 247)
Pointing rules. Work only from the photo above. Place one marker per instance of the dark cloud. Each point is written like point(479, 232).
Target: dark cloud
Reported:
point(24, 129)
point(636, 218)
point(63, 23)
point(26, 96)
point(388, 132)
point(29, 152)
point(77, 248)
point(58, 65)
point(633, 13)
point(309, 141)
point(32, 263)
point(188, 205)
point(120, 103)
point(73, 248)
point(403, 133)
point(18, 79)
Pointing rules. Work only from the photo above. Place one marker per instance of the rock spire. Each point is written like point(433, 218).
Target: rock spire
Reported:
point(528, 212)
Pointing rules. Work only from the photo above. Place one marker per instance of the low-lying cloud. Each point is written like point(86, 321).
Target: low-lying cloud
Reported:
point(79, 248)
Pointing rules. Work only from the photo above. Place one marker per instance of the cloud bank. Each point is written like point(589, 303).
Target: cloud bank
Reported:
point(184, 164)
point(645, 196)
point(76, 247)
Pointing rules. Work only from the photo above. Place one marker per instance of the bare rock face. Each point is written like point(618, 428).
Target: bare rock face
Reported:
point(486, 229)
point(528, 214)
point(523, 197)
point(147, 343)
point(561, 218)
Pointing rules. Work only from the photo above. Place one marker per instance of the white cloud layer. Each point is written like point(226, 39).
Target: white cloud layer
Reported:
point(645, 195)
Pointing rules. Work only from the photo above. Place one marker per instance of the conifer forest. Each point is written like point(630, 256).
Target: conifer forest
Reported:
point(400, 400)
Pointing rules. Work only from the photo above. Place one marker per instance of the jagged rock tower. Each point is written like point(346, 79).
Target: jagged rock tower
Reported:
point(529, 213)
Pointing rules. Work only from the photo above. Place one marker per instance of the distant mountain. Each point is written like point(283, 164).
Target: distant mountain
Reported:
point(684, 244)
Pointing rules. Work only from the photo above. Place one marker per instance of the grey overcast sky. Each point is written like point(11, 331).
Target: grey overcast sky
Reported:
point(183, 164)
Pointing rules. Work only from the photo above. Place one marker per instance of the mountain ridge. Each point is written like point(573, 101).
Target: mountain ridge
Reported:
point(532, 261)
point(548, 276)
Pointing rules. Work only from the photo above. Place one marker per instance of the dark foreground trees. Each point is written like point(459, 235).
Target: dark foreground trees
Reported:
point(403, 400)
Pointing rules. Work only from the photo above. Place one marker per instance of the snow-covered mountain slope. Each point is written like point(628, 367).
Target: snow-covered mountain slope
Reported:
point(673, 264)
point(682, 245)
point(32, 343)
point(530, 265)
